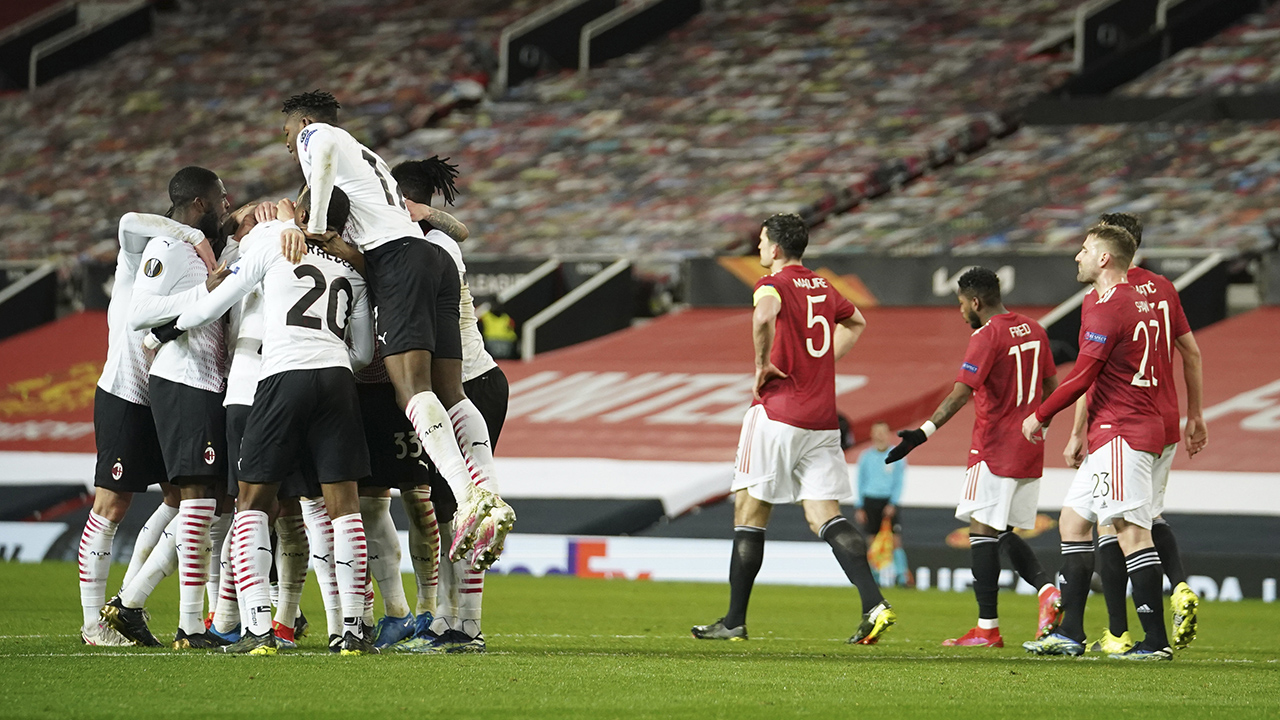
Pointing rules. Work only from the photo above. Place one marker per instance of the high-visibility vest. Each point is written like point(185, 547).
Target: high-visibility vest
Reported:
point(498, 327)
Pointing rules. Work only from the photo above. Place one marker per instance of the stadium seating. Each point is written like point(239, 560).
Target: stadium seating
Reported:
point(1240, 60)
point(1194, 184)
point(755, 108)
point(205, 89)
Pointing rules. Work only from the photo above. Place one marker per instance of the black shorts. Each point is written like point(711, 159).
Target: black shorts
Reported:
point(192, 426)
point(299, 483)
point(394, 450)
point(489, 392)
point(416, 290)
point(304, 414)
point(129, 456)
point(874, 508)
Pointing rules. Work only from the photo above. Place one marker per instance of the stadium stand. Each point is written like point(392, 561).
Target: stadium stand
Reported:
point(753, 103)
point(1195, 185)
point(749, 108)
point(1238, 61)
point(205, 89)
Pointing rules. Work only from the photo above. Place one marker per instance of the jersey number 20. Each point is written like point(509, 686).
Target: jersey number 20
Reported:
point(297, 314)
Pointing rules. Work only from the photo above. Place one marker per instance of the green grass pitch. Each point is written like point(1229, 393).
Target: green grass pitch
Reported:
point(570, 647)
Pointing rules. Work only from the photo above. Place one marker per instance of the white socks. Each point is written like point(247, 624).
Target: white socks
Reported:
point(447, 592)
point(148, 536)
point(291, 569)
point(251, 555)
point(95, 564)
point(217, 538)
point(160, 564)
point(384, 554)
point(194, 550)
point(320, 535)
point(226, 614)
point(435, 432)
point(350, 564)
point(424, 546)
point(472, 434)
point(470, 595)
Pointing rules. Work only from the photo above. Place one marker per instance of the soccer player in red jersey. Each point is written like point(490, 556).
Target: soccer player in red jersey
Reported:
point(1006, 369)
point(789, 450)
point(1175, 332)
point(1118, 344)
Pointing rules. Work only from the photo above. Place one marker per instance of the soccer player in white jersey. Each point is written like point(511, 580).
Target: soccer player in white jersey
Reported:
point(185, 386)
point(129, 457)
point(244, 347)
point(456, 628)
point(414, 285)
point(305, 407)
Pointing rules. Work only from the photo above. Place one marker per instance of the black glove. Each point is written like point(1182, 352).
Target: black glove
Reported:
point(911, 439)
point(163, 334)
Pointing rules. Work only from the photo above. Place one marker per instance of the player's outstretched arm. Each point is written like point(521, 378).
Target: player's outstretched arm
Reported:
point(152, 303)
point(324, 173)
point(440, 220)
point(1074, 452)
point(847, 333)
point(912, 439)
point(1085, 372)
point(764, 325)
point(137, 229)
point(1197, 431)
point(360, 333)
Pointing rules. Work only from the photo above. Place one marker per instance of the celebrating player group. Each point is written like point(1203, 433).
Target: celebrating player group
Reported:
point(285, 365)
point(1123, 439)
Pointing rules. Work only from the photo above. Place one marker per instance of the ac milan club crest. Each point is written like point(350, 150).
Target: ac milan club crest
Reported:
point(209, 456)
point(117, 471)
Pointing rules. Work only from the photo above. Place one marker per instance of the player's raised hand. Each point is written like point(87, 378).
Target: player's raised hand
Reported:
point(1031, 428)
point(205, 250)
point(216, 277)
point(1074, 452)
point(1197, 434)
point(293, 245)
point(911, 439)
point(764, 374)
point(265, 212)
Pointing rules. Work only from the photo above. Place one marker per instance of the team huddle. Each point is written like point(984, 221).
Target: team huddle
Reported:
point(1123, 439)
point(287, 364)
point(284, 366)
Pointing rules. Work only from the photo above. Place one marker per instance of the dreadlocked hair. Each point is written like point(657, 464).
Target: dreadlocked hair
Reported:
point(319, 104)
point(420, 179)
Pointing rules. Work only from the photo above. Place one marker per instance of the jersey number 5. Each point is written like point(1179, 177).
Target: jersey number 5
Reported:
point(822, 321)
point(297, 314)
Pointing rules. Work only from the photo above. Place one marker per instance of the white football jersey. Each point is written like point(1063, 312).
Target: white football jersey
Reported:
point(244, 340)
point(476, 361)
point(331, 157)
point(172, 277)
point(308, 310)
point(125, 372)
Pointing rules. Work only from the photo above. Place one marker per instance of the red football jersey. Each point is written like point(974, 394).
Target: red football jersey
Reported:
point(1121, 330)
point(1167, 306)
point(802, 348)
point(1006, 364)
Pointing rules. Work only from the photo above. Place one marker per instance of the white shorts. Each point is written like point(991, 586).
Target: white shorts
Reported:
point(1160, 479)
point(998, 502)
point(781, 464)
point(1114, 482)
